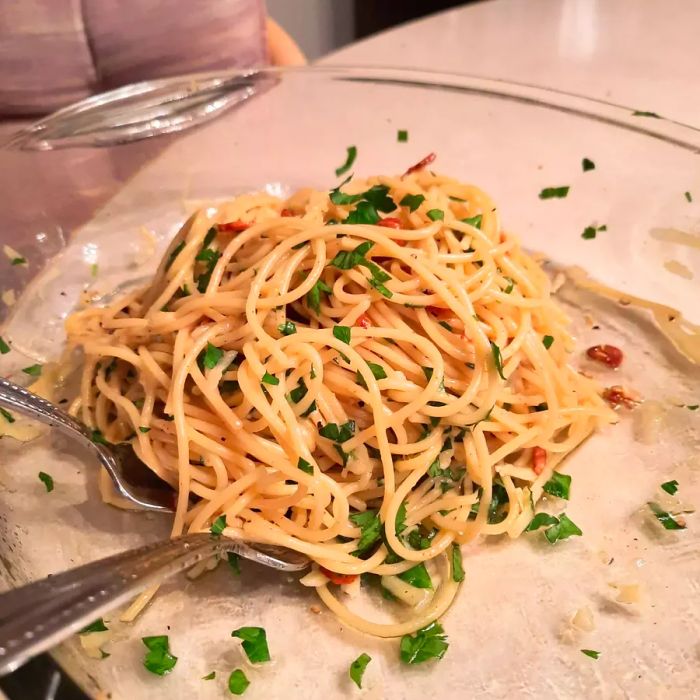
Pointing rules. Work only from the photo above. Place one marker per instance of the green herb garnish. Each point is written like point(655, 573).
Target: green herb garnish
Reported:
point(210, 356)
point(18, 261)
point(554, 192)
point(33, 370)
point(210, 676)
point(370, 529)
point(349, 160)
point(338, 433)
point(670, 487)
point(665, 518)
point(47, 481)
point(238, 682)
point(313, 296)
point(474, 221)
point(590, 232)
point(363, 213)
point(417, 576)
point(144, 429)
point(342, 333)
point(402, 136)
point(358, 666)
point(412, 201)
point(688, 196)
point(4, 347)
point(377, 371)
point(457, 566)
point(509, 288)
point(158, 659)
point(97, 626)
point(94, 269)
point(540, 520)
point(217, 527)
point(427, 643)
point(590, 652)
point(268, 378)
point(97, 437)
point(287, 328)
point(587, 164)
point(234, 562)
point(547, 341)
point(254, 643)
point(559, 485)
point(305, 466)
point(497, 359)
point(7, 415)
point(176, 251)
point(564, 529)
point(639, 113)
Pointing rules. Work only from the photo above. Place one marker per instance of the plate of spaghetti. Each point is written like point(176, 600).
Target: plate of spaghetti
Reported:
point(381, 372)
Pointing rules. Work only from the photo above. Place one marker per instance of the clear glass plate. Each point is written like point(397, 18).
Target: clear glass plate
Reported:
point(79, 189)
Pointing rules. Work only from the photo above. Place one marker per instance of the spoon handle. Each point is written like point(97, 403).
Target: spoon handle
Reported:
point(37, 616)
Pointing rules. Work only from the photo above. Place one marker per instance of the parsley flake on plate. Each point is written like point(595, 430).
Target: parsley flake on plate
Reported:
point(592, 653)
point(670, 487)
point(7, 415)
point(559, 485)
point(47, 480)
point(417, 576)
point(640, 113)
point(4, 347)
point(590, 232)
point(210, 676)
point(547, 341)
point(33, 370)
point(688, 196)
point(97, 626)
point(559, 528)
point(238, 682)
point(158, 659)
point(554, 192)
point(457, 566)
point(402, 136)
point(587, 164)
point(349, 160)
point(427, 643)
point(357, 668)
point(254, 643)
point(665, 518)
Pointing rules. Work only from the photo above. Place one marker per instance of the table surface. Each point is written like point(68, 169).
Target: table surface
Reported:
point(644, 54)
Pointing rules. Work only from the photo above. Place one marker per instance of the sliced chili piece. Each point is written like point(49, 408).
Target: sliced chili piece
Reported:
point(235, 226)
point(338, 579)
point(363, 321)
point(607, 354)
point(421, 164)
point(539, 459)
point(618, 396)
point(286, 212)
point(389, 222)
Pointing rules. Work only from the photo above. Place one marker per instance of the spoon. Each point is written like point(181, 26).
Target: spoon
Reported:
point(131, 477)
point(36, 617)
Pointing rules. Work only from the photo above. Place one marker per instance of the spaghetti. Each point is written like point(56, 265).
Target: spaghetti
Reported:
point(372, 377)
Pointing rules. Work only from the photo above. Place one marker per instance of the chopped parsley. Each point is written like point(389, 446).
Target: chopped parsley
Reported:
point(688, 196)
point(560, 528)
point(342, 333)
point(412, 201)
point(47, 480)
point(18, 261)
point(554, 192)
point(640, 113)
point(254, 643)
point(427, 643)
point(377, 196)
point(692, 407)
point(97, 626)
point(402, 136)
point(670, 487)
point(357, 668)
point(268, 378)
point(287, 328)
point(210, 676)
point(94, 269)
point(435, 214)
point(363, 213)
point(217, 527)
point(7, 415)
point(234, 562)
point(587, 164)
point(305, 466)
point(33, 370)
point(238, 682)
point(559, 485)
point(511, 284)
point(497, 359)
point(474, 221)
point(540, 520)
point(210, 356)
point(590, 652)
point(313, 296)
point(665, 518)
point(377, 371)
point(144, 429)
point(176, 251)
point(4, 347)
point(349, 160)
point(590, 232)
point(417, 576)
point(370, 529)
point(457, 566)
point(97, 437)
point(547, 341)
point(346, 260)
point(158, 659)
point(338, 433)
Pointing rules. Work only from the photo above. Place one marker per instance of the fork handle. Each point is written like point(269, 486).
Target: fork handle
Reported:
point(38, 616)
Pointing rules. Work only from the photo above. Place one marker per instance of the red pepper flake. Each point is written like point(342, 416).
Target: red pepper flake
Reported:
point(607, 354)
point(338, 579)
point(235, 226)
point(618, 396)
point(389, 222)
point(539, 459)
point(421, 164)
point(286, 212)
point(363, 321)
point(440, 312)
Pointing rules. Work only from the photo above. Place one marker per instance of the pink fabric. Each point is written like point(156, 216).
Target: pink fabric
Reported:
point(54, 52)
